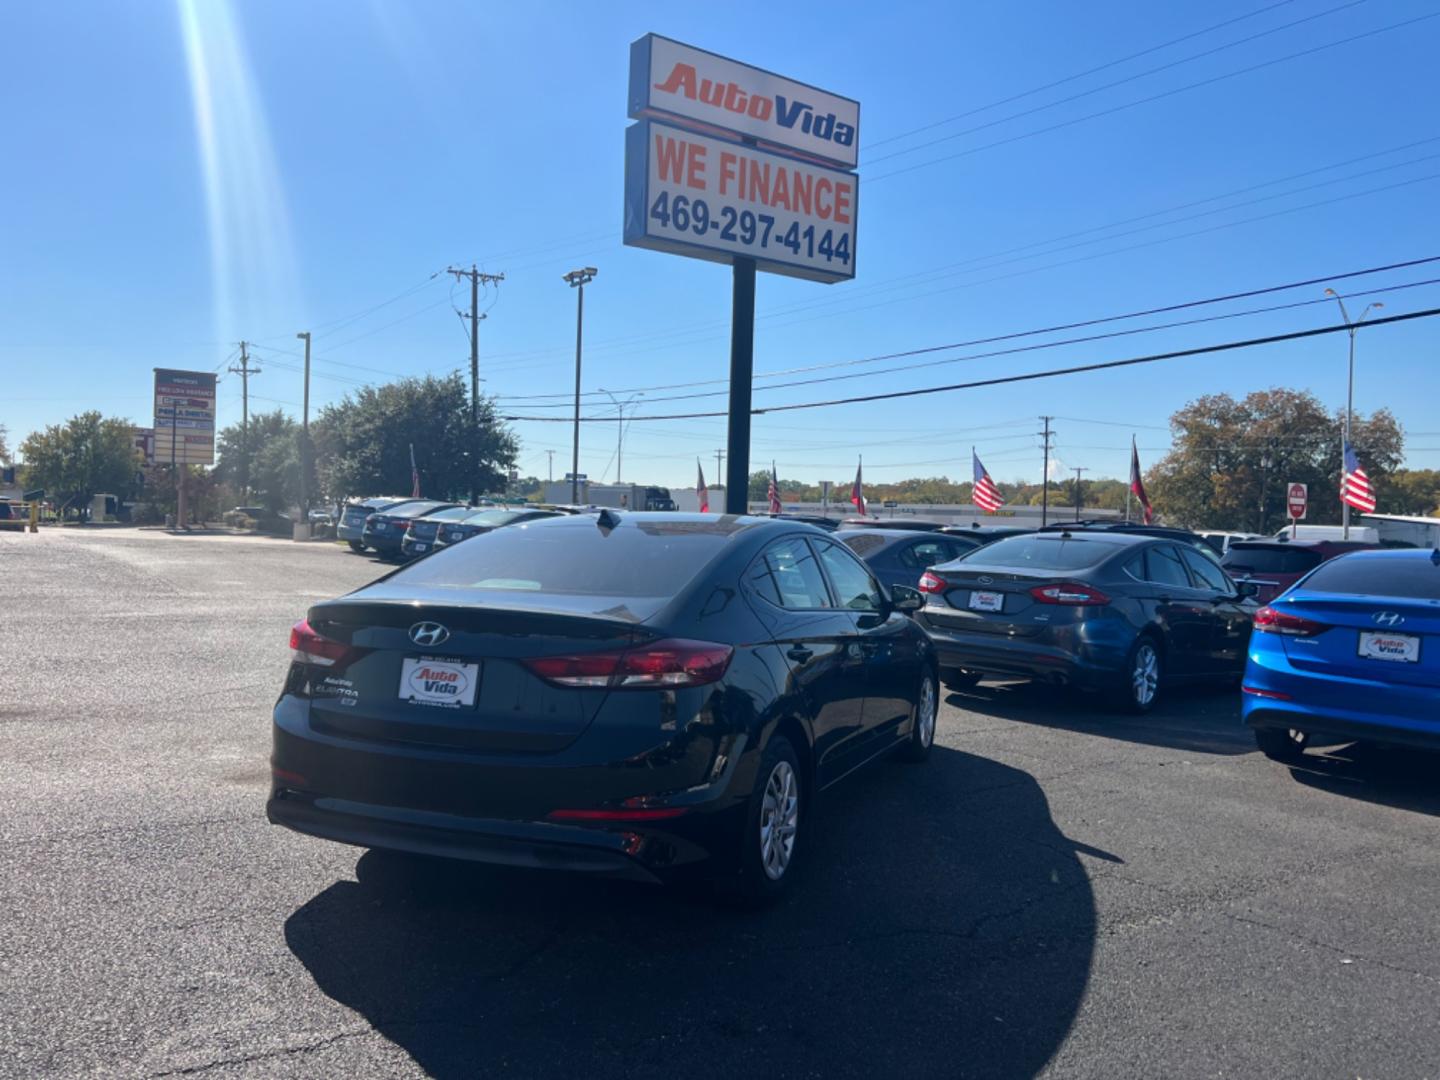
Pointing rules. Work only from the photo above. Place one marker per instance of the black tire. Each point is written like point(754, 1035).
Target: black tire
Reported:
point(752, 884)
point(959, 679)
point(924, 718)
point(1141, 677)
point(355, 545)
point(1282, 744)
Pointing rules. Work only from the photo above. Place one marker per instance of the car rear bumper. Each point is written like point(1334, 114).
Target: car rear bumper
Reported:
point(537, 845)
point(1074, 663)
point(493, 807)
point(1407, 715)
point(349, 532)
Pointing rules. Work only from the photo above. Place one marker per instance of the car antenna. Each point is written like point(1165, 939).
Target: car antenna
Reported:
point(607, 519)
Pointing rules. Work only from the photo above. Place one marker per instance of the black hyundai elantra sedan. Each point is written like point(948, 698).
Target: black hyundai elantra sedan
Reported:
point(650, 695)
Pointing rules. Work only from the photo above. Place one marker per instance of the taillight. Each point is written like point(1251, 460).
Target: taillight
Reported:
point(1069, 594)
point(1271, 621)
point(670, 663)
point(307, 646)
point(932, 583)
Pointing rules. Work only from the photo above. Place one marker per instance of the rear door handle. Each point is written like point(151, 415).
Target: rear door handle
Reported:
point(799, 653)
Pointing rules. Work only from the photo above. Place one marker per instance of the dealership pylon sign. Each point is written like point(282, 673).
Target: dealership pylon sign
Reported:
point(735, 164)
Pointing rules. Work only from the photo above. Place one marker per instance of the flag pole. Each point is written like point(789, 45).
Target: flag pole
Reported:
point(1128, 491)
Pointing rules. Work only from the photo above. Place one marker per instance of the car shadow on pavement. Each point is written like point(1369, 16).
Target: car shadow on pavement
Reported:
point(1400, 778)
point(1201, 719)
point(942, 925)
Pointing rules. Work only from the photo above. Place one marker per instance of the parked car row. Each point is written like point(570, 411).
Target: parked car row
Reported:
point(402, 529)
point(661, 696)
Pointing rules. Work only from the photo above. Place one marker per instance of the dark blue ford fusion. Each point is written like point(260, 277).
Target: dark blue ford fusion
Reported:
point(1351, 651)
point(647, 695)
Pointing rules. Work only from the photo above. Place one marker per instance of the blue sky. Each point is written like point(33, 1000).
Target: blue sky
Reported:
point(350, 151)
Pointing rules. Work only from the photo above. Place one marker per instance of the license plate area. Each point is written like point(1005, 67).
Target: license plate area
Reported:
point(987, 601)
point(438, 682)
point(1392, 648)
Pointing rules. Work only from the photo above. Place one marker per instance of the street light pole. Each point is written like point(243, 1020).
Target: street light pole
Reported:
point(578, 279)
point(304, 335)
point(1349, 389)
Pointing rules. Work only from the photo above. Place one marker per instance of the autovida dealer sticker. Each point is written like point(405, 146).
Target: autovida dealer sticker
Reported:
point(427, 681)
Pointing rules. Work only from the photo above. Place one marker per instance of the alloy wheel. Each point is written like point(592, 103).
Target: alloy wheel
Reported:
point(1145, 676)
point(925, 712)
point(779, 820)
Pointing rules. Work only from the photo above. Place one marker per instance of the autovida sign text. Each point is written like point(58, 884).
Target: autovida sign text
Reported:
point(711, 198)
point(730, 162)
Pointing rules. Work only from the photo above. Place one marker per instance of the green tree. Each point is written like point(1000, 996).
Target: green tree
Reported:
point(1409, 491)
point(269, 459)
point(363, 442)
point(4, 446)
point(1231, 459)
point(81, 457)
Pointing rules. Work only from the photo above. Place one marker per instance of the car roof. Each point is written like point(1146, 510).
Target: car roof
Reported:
point(1104, 536)
point(893, 535)
point(1433, 554)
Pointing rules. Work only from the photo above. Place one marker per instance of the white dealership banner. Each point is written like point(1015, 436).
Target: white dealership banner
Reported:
point(689, 86)
point(711, 198)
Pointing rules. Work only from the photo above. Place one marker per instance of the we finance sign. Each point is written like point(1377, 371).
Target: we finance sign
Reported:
point(695, 88)
point(712, 198)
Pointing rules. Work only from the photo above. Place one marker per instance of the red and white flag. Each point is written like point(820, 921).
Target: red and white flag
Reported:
point(700, 489)
point(774, 493)
point(1137, 485)
point(1355, 488)
point(985, 494)
point(414, 475)
point(857, 492)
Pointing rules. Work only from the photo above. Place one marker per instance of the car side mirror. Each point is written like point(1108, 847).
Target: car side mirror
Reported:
point(1246, 589)
point(906, 599)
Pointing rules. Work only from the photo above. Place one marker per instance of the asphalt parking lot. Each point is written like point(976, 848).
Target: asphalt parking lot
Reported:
point(1058, 891)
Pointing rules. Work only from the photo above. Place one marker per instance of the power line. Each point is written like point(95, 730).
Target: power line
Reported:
point(1118, 82)
point(1029, 376)
point(1077, 325)
point(1072, 78)
point(1144, 101)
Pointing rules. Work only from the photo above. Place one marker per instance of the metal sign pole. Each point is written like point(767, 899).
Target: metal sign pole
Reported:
point(742, 370)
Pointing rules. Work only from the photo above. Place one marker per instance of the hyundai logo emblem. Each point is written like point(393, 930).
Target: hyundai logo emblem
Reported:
point(1388, 618)
point(429, 633)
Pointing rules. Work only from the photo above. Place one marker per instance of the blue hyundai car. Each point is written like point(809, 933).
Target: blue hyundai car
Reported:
point(1350, 652)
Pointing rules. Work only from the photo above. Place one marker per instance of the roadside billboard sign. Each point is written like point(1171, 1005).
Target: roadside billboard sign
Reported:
point(709, 198)
point(671, 80)
point(184, 417)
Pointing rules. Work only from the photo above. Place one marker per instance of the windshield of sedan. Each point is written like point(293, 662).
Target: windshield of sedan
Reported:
point(571, 559)
point(1034, 552)
point(1417, 579)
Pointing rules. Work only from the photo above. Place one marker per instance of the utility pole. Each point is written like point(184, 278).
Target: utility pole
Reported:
point(304, 335)
point(1045, 474)
point(476, 277)
point(577, 280)
point(550, 472)
point(1078, 497)
point(245, 371)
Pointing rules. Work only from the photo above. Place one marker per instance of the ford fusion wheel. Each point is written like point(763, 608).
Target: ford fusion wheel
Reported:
point(1143, 670)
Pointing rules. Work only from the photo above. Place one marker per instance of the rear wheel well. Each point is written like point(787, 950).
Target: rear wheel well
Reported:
point(795, 733)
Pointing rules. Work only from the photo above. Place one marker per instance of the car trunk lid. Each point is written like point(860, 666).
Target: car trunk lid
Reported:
point(465, 685)
point(1385, 638)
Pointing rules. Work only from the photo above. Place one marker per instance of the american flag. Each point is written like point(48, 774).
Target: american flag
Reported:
point(1137, 482)
point(857, 492)
point(414, 475)
point(986, 495)
point(774, 493)
point(1355, 489)
point(701, 491)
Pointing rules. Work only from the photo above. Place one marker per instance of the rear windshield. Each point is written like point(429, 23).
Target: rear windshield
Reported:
point(575, 559)
point(1271, 560)
point(1417, 579)
point(863, 543)
point(1043, 553)
point(494, 518)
